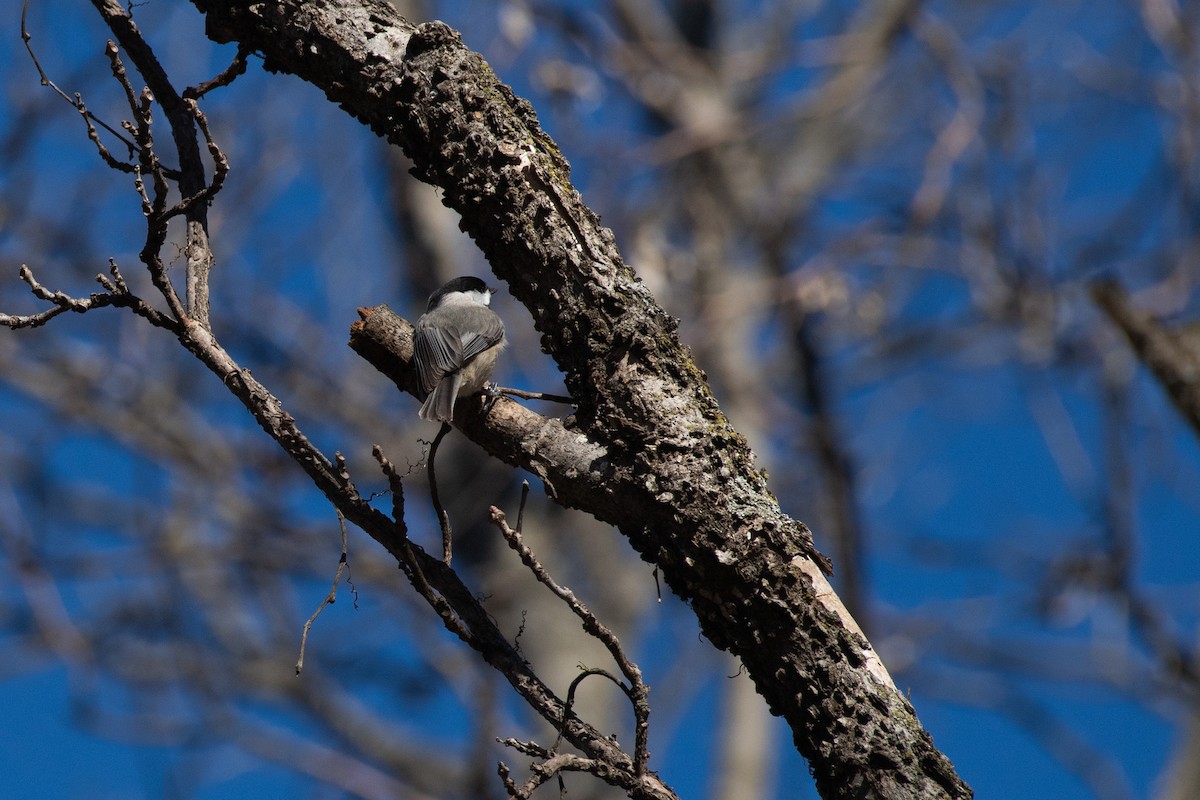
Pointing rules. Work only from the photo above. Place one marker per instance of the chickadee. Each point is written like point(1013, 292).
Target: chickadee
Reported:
point(455, 344)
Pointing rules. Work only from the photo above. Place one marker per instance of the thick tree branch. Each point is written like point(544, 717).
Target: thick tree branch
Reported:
point(690, 497)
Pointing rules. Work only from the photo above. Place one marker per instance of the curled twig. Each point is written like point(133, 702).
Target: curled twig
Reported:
point(636, 691)
point(331, 598)
point(586, 672)
point(438, 508)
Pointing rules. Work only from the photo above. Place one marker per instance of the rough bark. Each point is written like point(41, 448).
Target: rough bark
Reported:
point(649, 450)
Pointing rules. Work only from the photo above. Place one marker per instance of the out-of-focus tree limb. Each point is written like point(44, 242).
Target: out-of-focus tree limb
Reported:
point(1172, 356)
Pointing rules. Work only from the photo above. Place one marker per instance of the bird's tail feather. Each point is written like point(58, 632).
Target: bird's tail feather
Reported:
point(440, 403)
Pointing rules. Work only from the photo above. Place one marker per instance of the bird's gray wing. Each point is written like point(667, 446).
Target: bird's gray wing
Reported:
point(436, 351)
point(487, 330)
point(441, 350)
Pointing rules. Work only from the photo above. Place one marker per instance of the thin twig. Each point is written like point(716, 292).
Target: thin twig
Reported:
point(438, 508)
point(127, 299)
point(220, 164)
point(395, 486)
point(529, 748)
point(118, 71)
point(587, 672)
point(636, 691)
point(78, 104)
point(117, 294)
point(524, 395)
point(331, 598)
point(521, 509)
point(552, 767)
point(153, 207)
point(590, 623)
point(224, 78)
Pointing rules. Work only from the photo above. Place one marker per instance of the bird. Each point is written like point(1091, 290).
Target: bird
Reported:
point(455, 345)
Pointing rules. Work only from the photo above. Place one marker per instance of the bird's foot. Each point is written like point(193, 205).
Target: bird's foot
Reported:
point(490, 392)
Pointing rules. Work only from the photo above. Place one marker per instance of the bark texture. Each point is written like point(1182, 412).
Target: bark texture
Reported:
point(648, 449)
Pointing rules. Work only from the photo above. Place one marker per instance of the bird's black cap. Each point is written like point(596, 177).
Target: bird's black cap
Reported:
point(466, 283)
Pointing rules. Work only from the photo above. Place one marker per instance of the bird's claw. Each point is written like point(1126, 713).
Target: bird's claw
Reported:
point(490, 392)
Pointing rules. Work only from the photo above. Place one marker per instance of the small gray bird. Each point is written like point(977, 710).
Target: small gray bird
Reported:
point(455, 344)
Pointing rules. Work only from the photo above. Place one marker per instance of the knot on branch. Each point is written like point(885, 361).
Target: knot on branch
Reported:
point(431, 36)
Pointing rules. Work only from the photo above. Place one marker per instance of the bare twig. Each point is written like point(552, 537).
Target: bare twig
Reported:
point(586, 672)
point(78, 104)
point(524, 395)
point(118, 71)
point(220, 164)
point(542, 772)
point(224, 78)
point(117, 294)
point(637, 691)
point(521, 509)
point(192, 181)
point(331, 598)
point(531, 749)
point(438, 508)
point(395, 485)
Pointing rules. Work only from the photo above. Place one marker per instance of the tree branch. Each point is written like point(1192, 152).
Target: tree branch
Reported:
point(691, 501)
point(1172, 356)
point(636, 691)
point(183, 125)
